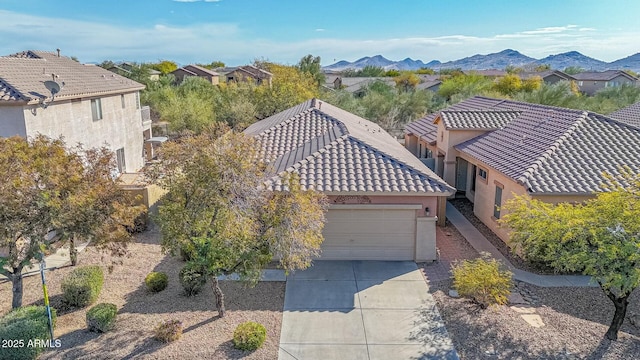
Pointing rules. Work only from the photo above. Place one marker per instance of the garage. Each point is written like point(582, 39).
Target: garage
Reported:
point(370, 232)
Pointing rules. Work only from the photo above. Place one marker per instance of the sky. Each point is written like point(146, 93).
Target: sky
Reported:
point(240, 31)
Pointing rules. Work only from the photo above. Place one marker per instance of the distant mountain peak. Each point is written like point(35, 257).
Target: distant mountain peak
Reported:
point(499, 60)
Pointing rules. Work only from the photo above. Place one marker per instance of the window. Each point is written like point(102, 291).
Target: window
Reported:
point(122, 166)
point(579, 83)
point(482, 173)
point(122, 100)
point(498, 202)
point(96, 109)
point(473, 178)
point(137, 100)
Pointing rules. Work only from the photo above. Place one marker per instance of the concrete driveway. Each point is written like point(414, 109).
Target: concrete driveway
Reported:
point(361, 310)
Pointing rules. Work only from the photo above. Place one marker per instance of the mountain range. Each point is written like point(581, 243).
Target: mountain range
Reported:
point(499, 60)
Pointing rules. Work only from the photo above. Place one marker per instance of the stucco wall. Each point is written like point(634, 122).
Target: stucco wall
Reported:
point(451, 138)
point(118, 128)
point(12, 121)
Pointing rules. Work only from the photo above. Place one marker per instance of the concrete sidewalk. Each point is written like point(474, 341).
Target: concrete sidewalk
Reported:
point(56, 260)
point(480, 243)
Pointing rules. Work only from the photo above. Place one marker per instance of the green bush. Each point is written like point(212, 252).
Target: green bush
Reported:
point(20, 326)
point(484, 280)
point(249, 336)
point(102, 317)
point(192, 279)
point(156, 281)
point(82, 286)
point(168, 331)
point(186, 251)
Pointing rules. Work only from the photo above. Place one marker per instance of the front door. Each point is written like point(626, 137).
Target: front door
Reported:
point(461, 174)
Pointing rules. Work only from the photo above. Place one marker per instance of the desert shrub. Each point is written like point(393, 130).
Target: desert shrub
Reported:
point(249, 336)
point(20, 326)
point(192, 279)
point(156, 281)
point(484, 280)
point(82, 286)
point(187, 251)
point(102, 317)
point(168, 331)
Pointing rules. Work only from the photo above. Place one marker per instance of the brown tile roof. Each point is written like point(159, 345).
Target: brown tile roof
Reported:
point(477, 119)
point(629, 115)
point(22, 78)
point(557, 151)
point(335, 151)
point(602, 76)
point(199, 70)
point(545, 74)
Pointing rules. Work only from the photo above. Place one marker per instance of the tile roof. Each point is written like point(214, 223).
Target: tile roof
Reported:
point(200, 70)
point(545, 74)
point(602, 76)
point(22, 78)
point(629, 115)
point(335, 151)
point(557, 151)
point(428, 84)
point(477, 119)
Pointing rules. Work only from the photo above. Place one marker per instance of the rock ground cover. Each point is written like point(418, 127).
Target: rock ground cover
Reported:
point(139, 311)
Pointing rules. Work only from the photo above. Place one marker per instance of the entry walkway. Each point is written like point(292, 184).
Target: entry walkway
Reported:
point(480, 243)
point(53, 261)
point(361, 310)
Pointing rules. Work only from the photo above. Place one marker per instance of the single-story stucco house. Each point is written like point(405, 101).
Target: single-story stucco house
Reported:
point(383, 200)
point(491, 149)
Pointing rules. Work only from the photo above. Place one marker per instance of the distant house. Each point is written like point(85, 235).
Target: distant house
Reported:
point(491, 73)
point(549, 77)
point(246, 73)
point(356, 85)
point(94, 106)
point(196, 71)
point(429, 85)
point(590, 82)
point(491, 149)
point(125, 68)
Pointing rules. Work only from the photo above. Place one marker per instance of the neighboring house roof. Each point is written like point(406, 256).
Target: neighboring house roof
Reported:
point(428, 77)
point(338, 152)
point(547, 73)
point(476, 119)
point(22, 78)
point(195, 70)
point(426, 85)
point(603, 75)
point(557, 151)
point(249, 70)
point(629, 115)
point(353, 84)
point(488, 72)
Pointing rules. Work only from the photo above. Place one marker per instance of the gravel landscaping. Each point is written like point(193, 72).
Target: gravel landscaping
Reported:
point(205, 335)
point(575, 319)
point(466, 209)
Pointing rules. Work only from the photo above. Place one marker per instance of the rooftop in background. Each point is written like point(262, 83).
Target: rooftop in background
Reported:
point(548, 149)
point(602, 75)
point(22, 78)
point(629, 115)
point(335, 151)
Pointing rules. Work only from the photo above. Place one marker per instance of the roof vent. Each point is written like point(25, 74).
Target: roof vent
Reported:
point(58, 51)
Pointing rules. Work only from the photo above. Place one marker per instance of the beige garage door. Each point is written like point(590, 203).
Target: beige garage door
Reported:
point(369, 234)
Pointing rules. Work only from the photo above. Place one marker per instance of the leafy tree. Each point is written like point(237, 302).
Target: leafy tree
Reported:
point(107, 64)
point(289, 87)
point(407, 81)
point(165, 66)
point(558, 94)
point(451, 72)
point(599, 238)
point(542, 67)
point(213, 65)
point(311, 65)
point(392, 73)
point(464, 85)
point(510, 69)
point(631, 72)
point(572, 70)
point(217, 204)
point(425, 71)
point(47, 187)
point(371, 71)
point(508, 84)
point(531, 84)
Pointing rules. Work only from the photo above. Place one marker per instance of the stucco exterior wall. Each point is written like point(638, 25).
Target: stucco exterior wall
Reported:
point(118, 128)
point(12, 121)
point(446, 140)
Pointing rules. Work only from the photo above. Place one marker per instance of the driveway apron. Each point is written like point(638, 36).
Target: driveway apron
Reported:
point(369, 310)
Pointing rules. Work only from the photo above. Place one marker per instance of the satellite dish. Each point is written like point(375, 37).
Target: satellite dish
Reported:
point(53, 87)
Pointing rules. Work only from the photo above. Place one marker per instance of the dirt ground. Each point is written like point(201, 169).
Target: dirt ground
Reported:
point(205, 335)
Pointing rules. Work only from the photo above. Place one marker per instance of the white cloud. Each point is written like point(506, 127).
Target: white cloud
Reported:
point(320, 29)
point(204, 42)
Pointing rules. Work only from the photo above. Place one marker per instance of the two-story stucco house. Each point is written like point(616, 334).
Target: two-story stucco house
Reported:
point(491, 149)
point(95, 107)
point(590, 82)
